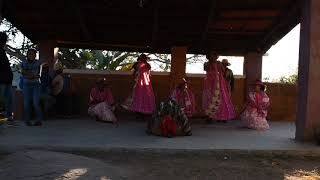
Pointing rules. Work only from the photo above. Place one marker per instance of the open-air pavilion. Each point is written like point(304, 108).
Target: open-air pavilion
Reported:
point(230, 27)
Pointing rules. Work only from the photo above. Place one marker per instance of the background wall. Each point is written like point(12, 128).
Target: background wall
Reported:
point(283, 97)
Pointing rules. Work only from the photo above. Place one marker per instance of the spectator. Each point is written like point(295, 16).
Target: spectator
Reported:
point(31, 87)
point(46, 99)
point(57, 90)
point(6, 77)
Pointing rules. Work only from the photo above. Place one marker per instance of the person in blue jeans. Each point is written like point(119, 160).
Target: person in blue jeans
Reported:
point(6, 77)
point(31, 87)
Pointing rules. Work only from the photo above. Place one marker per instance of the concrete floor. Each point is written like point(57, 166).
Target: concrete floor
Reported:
point(86, 133)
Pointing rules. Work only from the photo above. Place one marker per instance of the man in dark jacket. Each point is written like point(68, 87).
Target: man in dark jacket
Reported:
point(6, 77)
point(228, 75)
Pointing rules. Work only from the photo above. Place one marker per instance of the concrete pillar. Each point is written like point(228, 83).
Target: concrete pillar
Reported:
point(252, 68)
point(308, 110)
point(48, 52)
point(178, 65)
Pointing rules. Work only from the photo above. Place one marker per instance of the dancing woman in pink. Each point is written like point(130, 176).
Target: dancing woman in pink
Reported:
point(255, 113)
point(216, 100)
point(184, 98)
point(142, 100)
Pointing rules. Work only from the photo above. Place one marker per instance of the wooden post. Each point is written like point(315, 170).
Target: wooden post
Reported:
point(252, 68)
point(308, 112)
point(48, 52)
point(178, 65)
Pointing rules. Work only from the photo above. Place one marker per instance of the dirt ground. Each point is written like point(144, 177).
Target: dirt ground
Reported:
point(46, 165)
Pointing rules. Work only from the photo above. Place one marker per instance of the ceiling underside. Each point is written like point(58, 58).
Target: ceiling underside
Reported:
point(230, 27)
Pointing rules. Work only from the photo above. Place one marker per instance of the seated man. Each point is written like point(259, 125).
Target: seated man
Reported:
point(101, 103)
point(184, 98)
point(57, 85)
point(46, 99)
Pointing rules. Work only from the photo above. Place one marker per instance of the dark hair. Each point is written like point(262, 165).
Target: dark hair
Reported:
point(59, 71)
point(209, 54)
point(3, 38)
point(263, 88)
point(142, 57)
point(32, 50)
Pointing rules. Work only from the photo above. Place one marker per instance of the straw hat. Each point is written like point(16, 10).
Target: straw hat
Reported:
point(57, 66)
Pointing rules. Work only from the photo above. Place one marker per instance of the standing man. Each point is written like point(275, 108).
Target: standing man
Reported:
point(228, 75)
point(6, 77)
point(31, 87)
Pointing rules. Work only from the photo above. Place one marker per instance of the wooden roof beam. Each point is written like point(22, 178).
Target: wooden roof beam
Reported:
point(9, 12)
point(247, 18)
point(290, 15)
point(155, 28)
point(79, 17)
point(212, 8)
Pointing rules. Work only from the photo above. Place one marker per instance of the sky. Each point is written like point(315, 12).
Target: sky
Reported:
point(280, 60)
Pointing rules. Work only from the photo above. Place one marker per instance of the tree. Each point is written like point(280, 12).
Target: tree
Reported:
point(18, 44)
point(291, 79)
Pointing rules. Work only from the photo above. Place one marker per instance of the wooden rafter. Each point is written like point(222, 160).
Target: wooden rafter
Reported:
point(73, 5)
point(237, 25)
point(155, 28)
point(9, 13)
point(288, 16)
point(211, 12)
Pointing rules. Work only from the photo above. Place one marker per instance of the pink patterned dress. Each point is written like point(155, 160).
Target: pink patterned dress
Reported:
point(216, 100)
point(100, 105)
point(185, 99)
point(254, 116)
point(143, 100)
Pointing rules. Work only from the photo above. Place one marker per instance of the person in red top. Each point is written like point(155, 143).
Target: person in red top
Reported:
point(101, 104)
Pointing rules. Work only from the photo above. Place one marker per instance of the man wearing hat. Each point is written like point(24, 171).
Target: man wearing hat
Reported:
point(228, 75)
point(57, 82)
point(57, 87)
point(46, 100)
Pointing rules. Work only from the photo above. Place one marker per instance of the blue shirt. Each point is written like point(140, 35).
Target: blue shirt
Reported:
point(33, 67)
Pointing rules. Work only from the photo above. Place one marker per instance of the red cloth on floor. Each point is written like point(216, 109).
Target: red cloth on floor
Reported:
point(168, 126)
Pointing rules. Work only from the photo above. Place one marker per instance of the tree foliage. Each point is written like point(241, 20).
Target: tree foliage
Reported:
point(291, 79)
point(106, 60)
point(18, 44)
